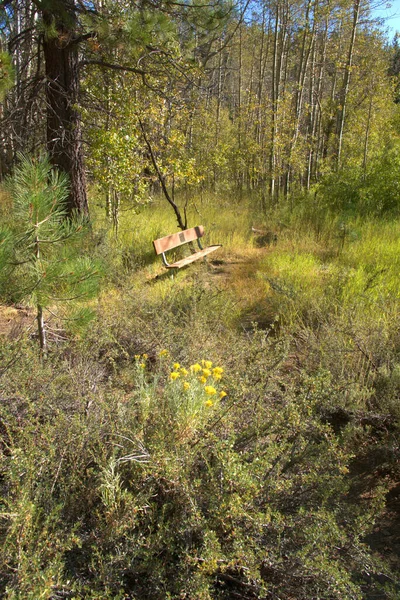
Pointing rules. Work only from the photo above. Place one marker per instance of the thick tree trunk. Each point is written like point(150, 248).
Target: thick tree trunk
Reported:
point(64, 139)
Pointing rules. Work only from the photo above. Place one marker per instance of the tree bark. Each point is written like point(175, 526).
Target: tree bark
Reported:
point(64, 133)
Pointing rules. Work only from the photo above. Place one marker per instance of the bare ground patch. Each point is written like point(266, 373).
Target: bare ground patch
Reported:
point(15, 321)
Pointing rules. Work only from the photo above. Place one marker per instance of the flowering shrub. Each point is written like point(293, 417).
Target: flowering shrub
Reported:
point(188, 394)
point(163, 489)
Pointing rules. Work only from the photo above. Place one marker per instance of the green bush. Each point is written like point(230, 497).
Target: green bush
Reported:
point(40, 251)
point(145, 487)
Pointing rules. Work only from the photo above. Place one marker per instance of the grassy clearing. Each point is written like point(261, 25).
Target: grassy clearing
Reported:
point(126, 473)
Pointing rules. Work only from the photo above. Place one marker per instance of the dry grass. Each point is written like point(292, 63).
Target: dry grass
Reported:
point(15, 322)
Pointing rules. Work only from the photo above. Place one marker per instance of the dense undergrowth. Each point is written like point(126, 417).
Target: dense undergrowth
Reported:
point(229, 433)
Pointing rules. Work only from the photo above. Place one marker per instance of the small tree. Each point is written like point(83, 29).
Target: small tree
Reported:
point(47, 269)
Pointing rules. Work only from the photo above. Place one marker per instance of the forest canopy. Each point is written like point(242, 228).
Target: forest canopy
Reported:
point(271, 96)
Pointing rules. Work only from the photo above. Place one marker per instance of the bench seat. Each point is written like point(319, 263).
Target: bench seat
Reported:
point(196, 256)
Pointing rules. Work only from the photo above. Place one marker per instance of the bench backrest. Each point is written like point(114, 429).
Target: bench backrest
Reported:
point(177, 239)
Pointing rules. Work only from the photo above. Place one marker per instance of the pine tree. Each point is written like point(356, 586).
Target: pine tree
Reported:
point(47, 270)
point(67, 38)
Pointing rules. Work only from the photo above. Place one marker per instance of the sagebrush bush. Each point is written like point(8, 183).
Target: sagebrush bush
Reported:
point(146, 487)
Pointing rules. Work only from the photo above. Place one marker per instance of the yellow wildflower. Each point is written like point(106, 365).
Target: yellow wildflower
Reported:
point(222, 394)
point(209, 402)
point(174, 375)
point(202, 379)
point(137, 356)
point(186, 385)
point(217, 371)
point(207, 364)
point(195, 368)
point(210, 390)
point(217, 377)
point(184, 372)
point(206, 372)
point(145, 356)
point(142, 365)
point(164, 353)
point(176, 366)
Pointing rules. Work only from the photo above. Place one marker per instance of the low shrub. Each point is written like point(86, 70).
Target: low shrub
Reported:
point(187, 480)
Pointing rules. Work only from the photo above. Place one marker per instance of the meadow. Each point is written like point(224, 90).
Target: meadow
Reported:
point(231, 432)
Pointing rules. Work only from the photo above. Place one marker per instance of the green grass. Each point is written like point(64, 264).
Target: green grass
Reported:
point(118, 481)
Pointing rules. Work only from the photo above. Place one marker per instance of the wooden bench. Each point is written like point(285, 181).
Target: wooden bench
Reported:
point(162, 245)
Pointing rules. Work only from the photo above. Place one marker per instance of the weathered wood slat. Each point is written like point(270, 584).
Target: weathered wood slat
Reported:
point(189, 259)
point(177, 239)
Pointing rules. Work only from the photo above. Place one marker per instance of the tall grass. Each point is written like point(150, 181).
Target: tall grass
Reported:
point(226, 222)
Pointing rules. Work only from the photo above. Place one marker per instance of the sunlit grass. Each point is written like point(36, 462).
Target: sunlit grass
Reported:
point(302, 281)
point(313, 270)
point(224, 224)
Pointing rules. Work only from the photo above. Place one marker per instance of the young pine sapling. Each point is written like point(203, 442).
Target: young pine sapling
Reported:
point(47, 263)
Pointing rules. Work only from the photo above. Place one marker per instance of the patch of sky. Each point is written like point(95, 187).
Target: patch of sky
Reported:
point(389, 13)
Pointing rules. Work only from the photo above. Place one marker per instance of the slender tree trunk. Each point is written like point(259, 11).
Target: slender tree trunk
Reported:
point(264, 53)
point(240, 172)
point(218, 111)
point(39, 310)
point(281, 83)
point(315, 103)
point(182, 221)
point(366, 139)
point(21, 122)
point(274, 107)
point(317, 131)
point(116, 203)
point(341, 113)
point(299, 92)
point(41, 330)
